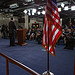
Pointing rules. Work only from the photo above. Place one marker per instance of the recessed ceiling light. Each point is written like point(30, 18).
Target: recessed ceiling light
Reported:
point(32, 13)
point(72, 7)
point(34, 10)
point(59, 9)
point(14, 5)
point(62, 4)
point(39, 8)
point(43, 12)
point(25, 11)
point(38, 12)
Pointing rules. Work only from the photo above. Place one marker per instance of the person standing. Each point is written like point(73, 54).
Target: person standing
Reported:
point(12, 31)
point(3, 31)
point(70, 25)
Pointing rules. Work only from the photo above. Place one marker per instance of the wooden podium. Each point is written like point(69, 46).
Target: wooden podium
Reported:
point(21, 34)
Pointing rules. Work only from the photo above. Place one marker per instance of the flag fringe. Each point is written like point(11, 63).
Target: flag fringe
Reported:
point(53, 46)
point(47, 51)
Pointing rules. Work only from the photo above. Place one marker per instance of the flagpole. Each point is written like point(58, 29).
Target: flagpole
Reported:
point(48, 68)
point(48, 52)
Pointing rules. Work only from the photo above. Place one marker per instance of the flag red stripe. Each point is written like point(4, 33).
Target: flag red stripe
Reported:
point(56, 37)
point(45, 35)
point(50, 50)
point(57, 25)
point(56, 16)
point(50, 29)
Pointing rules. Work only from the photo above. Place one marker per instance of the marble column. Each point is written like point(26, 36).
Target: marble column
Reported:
point(26, 22)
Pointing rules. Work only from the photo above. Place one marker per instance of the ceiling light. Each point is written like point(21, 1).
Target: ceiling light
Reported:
point(34, 10)
point(39, 8)
point(38, 12)
point(62, 4)
point(59, 9)
point(14, 5)
point(25, 4)
point(29, 13)
point(66, 8)
point(72, 7)
point(43, 12)
point(28, 0)
point(25, 11)
point(32, 13)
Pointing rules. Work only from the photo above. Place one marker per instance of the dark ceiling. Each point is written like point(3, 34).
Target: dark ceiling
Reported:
point(6, 6)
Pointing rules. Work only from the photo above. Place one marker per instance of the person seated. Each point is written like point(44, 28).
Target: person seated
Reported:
point(39, 35)
point(39, 39)
point(69, 40)
point(37, 32)
point(70, 25)
point(3, 31)
point(32, 35)
point(73, 33)
point(73, 26)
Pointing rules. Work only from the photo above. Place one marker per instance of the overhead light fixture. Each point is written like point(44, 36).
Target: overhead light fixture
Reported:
point(14, 5)
point(29, 13)
point(59, 9)
point(25, 11)
point(62, 5)
point(32, 13)
point(25, 4)
point(34, 10)
point(66, 8)
point(38, 12)
point(28, 0)
point(43, 12)
point(72, 7)
point(39, 8)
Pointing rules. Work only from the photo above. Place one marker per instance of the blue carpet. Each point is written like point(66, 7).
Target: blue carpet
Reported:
point(35, 57)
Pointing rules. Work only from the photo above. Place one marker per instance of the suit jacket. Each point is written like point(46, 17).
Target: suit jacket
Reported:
point(12, 27)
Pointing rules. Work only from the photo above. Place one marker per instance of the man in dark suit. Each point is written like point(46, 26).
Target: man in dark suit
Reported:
point(12, 30)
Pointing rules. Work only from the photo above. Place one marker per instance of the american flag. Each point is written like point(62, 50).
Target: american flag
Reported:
point(52, 20)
